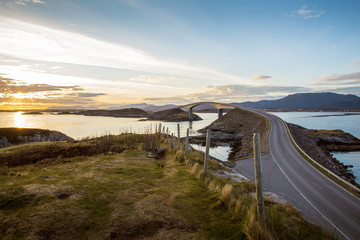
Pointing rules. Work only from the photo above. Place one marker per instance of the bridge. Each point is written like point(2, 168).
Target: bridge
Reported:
point(220, 107)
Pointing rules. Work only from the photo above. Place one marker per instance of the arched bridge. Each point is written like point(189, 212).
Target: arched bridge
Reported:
point(219, 106)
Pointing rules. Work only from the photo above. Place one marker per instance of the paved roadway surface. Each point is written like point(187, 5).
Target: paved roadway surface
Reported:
point(320, 200)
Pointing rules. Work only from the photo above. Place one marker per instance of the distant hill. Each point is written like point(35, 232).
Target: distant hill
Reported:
point(307, 101)
point(144, 106)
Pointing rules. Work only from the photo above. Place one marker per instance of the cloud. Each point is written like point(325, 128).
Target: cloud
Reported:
point(35, 42)
point(355, 63)
point(306, 13)
point(16, 92)
point(89, 95)
point(12, 3)
point(10, 86)
point(261, 77)
point(349, 78)
point(231, 93)
point(157, 79)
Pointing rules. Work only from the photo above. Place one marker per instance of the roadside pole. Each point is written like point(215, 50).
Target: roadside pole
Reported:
point(258, 177)
point(206, 159)
point(187, 142)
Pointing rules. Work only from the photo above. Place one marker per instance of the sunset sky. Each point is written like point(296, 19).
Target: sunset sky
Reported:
point(111, 52)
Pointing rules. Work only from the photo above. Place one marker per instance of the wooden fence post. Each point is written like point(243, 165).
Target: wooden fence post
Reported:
point(178, 128)
point(167, 134)
point(206, 158)
point(258, 177)
point(187, 142)
point(160, 128)
point(172, 141)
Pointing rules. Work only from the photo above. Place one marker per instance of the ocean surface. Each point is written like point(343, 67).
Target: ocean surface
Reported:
point(77, 127)
point(348, 122)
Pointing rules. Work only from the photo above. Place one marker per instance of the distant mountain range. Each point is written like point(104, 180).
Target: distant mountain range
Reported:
point(308, 101)
point(299, 101)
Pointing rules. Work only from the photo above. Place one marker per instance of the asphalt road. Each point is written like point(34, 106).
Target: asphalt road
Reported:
point(320, 200)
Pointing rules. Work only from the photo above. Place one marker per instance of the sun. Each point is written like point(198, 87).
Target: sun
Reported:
point(19, 120)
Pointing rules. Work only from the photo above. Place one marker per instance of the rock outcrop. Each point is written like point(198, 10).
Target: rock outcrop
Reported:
point(15, 136)
point(172, 115)
point(235, 128)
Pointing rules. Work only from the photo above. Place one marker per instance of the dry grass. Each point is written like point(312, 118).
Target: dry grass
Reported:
point(180, 156)
point(113, 196)
point(282, 221)
point(128, 196)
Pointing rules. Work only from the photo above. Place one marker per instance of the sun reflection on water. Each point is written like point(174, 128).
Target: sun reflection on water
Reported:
point(19, 120)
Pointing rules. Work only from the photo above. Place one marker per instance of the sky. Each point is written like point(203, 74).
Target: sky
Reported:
point(101, 54)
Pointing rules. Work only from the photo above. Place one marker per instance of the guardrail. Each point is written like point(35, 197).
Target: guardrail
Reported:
point(318, 164)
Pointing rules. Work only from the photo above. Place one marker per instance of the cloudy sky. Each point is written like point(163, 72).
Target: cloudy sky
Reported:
point(112, 52)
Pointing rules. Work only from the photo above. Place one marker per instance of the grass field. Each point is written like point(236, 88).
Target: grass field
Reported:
point(129, 196)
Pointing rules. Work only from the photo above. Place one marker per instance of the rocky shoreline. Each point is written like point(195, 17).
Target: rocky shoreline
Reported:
point(15, 136)
point(319, 144)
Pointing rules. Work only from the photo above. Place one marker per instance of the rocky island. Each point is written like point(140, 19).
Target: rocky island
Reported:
point(172, 115)
point(16, 136)
point(126, 112)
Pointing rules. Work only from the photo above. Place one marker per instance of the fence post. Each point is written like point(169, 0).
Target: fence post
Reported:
point(160, 128)
point(187, 142)
point(206, 159)
point(172, 141)
point(258, 177)
point(178, 128)
point(167, 134)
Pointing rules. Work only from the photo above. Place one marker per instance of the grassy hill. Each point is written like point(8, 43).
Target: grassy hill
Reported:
point(116, 192)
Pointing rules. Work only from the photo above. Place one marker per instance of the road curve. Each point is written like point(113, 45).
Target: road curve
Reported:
point(318, 198)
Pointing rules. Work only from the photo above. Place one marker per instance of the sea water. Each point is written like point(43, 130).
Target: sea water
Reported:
point(79, 126)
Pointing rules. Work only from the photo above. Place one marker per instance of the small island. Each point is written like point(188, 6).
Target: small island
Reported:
point(32, 113)
point(126, 112)
point(172, 115)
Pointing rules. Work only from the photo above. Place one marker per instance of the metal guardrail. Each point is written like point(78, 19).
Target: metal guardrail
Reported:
point(316, 163)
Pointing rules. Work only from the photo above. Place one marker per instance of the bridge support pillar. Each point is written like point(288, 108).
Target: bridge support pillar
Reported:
point(220, 112)
point(191, 114)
